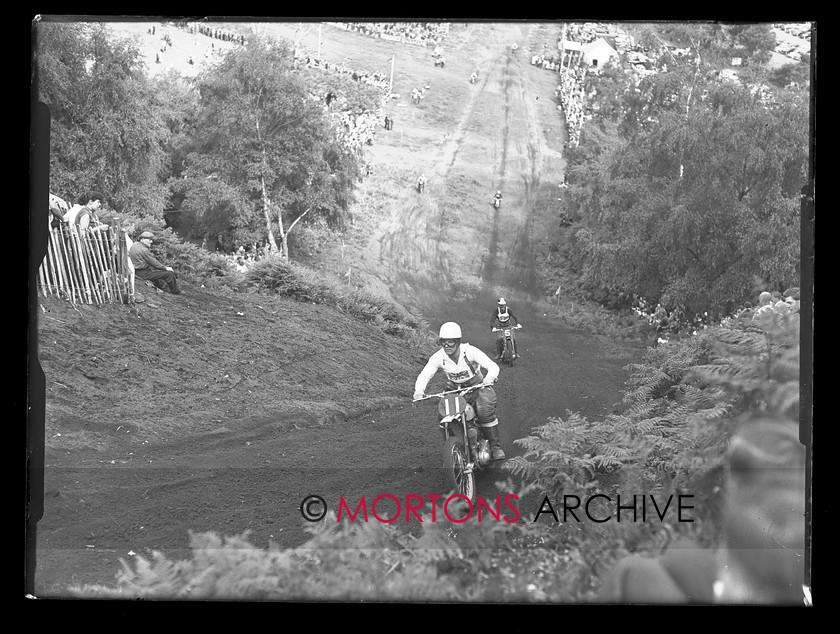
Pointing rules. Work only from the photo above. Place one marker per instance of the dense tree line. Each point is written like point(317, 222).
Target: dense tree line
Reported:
point(242, 152)
point(686, 184)
point(108, 128)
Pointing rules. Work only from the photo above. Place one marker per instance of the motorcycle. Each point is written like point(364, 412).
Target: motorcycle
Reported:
point(509, 350)
point(461, 459)
point(497, 202)
point(473, 78)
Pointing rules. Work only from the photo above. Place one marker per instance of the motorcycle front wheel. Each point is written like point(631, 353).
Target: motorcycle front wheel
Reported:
point(454, 464)
point(507, 353)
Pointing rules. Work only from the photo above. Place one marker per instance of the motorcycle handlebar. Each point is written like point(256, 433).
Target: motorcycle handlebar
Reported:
point(461, 390)
point(498, 329)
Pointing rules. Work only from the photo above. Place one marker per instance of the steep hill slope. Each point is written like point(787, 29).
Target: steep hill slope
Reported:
point(216, 411)
point(162, 416)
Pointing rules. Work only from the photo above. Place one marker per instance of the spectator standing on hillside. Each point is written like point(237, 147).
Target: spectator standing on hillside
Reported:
point(58, 207)
point(765, 305)
point(746, 311)
point(84, 214)
point(660, 318)
point(147, 267)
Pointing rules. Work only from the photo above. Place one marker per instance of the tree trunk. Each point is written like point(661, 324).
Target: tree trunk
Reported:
point(272, 243)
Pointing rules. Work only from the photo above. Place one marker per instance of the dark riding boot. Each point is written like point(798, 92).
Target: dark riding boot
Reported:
point(492, 434)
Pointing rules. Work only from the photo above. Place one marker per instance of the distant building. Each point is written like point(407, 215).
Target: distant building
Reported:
point(596, 54)
point(570, 53)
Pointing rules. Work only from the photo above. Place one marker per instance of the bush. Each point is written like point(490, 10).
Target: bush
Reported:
point(356, 562)
point(303, 284)
point(684, 401)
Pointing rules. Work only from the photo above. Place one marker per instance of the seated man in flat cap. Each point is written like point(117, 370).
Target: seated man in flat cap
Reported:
point(147, 267)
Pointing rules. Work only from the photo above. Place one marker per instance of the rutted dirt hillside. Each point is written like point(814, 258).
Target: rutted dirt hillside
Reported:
point(162, 416)
point(221, 411)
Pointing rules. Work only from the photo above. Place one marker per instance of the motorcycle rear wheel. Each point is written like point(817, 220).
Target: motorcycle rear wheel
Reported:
point(454, 463)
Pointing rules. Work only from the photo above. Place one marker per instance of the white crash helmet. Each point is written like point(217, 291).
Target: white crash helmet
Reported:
point(450, 330)
point(502, 301)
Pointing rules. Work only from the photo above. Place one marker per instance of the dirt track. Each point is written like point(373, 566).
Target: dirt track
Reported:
point(235, 422)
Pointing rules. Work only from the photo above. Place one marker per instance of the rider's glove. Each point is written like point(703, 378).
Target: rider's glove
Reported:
point(418, 396)
point(486, 383)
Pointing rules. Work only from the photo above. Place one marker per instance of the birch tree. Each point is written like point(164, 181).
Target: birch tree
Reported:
point(260, 131)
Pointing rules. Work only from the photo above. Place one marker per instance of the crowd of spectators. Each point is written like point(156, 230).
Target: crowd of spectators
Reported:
point(212, 31)
point(676, 321)
point(772, 303)
point(420, 33)
point(164, 55)
point(354, 129)
point(548, 63)
point(374, 79)
point(570, 93)
point(586, 32)
point(246, 256)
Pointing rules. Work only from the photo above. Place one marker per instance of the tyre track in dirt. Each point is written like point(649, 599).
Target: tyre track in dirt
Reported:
point(412, 241)
point(517, 269)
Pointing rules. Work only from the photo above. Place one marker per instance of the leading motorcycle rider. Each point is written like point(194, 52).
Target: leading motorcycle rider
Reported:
point(462, 364)
point(502, 318)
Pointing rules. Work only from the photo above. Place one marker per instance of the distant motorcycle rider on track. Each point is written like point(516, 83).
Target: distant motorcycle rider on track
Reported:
point(497, 199)
point(502, 318)
point(462, 363)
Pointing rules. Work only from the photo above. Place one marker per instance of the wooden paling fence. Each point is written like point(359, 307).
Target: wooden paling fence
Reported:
point(89, 267)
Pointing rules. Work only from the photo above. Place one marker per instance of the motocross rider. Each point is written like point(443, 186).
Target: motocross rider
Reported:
point(462, 364)
point(498, 196)
point(502, 318)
